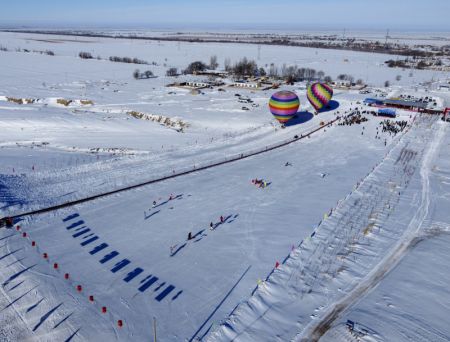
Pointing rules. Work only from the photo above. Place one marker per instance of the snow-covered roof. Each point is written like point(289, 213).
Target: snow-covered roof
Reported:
point(405, 103)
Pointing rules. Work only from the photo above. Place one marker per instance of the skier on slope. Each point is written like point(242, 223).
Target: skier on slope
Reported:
point(221, 219)
point(154, 204)
point(211, 226)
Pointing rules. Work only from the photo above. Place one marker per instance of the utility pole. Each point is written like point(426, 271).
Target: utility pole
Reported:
point(259, 52)
point(387, 37)
point(154, 329)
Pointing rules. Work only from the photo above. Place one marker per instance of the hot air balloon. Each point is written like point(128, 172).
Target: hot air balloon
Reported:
point(319, 95)
point(284, 105)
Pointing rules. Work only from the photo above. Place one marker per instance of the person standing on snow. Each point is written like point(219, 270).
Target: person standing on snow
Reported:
point(221, 219)
point(211, 225)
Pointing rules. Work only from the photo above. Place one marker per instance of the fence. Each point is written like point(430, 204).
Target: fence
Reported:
point(183, 172)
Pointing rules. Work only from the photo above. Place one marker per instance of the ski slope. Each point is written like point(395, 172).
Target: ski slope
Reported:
point(249, 243)
point(422, 275)
point(349, 253)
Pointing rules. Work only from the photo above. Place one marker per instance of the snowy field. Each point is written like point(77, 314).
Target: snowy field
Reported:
point(422, 275)
point(339, 217)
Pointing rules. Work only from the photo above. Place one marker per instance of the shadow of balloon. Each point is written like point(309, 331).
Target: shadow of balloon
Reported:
point(299, 118)
point(332, 105)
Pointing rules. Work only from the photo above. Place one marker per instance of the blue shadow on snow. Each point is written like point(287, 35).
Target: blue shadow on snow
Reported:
point(332, 105)
point(299, 118)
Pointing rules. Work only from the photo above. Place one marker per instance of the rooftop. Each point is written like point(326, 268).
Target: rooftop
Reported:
point(405, 103)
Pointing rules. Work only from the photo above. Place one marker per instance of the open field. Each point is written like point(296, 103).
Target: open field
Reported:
point(347, 209)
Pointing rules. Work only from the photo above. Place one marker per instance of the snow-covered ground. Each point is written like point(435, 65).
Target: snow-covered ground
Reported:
point(411, 302)
point(135, 259)
point(369, 67)
point(351, 250)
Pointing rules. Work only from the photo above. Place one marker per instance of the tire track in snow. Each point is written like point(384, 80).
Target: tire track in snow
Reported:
point(291, 287)
point(316, 330)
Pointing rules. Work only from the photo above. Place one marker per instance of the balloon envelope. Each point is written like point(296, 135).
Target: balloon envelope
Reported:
point(319, 95)
point(284, 105)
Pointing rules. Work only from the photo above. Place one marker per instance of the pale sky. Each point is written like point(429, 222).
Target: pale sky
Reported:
point(420, 15)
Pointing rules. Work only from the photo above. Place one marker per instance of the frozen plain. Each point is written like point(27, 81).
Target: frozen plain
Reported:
point(220, 268)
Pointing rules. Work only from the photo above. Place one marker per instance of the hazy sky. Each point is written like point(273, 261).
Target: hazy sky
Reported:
point(321, 14)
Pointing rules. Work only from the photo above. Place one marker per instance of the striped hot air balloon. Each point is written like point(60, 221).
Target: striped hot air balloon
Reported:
point(319, 95)
point(284, 105)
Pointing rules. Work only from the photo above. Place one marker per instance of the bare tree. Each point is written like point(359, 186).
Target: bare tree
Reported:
point(328, 79)
point(283, 70)
point(290, 73)
point(320, 75)
point(85, 55)
point(273, 71)
point(148, 74)
point(172, 72)
point(301, 74)
point(195, 67)
point(213, 63)
point(422, 65)
point(227, 64)
point(245, 67)
point(310, 74)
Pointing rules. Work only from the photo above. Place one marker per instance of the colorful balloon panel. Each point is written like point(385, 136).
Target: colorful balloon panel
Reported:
point(319, 95)
point(284, 105)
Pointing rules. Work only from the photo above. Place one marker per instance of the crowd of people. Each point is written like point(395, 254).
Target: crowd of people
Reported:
point(354, 117)
point(393, 127)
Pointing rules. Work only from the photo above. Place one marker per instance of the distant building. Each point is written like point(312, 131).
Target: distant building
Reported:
point(197, 85)
point(415, 106)
point(248, 85)
point(344, 84)
point(404, 104)
point(190, 85)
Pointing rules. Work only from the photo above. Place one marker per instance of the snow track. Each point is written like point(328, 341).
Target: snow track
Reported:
point(392, 258)
point(317, 328)
point(349, 253)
